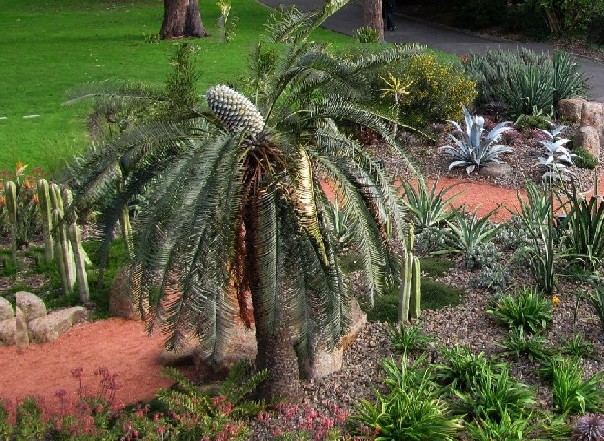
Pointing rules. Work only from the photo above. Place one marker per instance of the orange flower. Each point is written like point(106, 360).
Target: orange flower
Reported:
point(555, 300)
point(35, 199)
point(2, 201)
point(20, 168)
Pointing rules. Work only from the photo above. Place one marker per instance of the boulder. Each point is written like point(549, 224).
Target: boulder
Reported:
point(21, 335)
point(48, 328)
point(31, 305)
point(122, 302)
point(571, 108)
point(496, 170)
point(592, 114)
point(7, 331)
point(241, 346)
point(6, 309)
point(326, 362)
point(588, 137)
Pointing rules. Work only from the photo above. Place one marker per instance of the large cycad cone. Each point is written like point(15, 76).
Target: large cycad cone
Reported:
point(234, 110)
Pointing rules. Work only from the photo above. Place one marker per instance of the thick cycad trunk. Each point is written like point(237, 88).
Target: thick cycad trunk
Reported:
point(182, 19)
point(270, 299)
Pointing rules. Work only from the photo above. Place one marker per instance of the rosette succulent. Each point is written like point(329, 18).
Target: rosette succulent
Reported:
point(473, 149)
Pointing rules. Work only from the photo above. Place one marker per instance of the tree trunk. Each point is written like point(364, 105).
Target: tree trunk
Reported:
point(182, 19)
point(372, 16)
point(276, 354)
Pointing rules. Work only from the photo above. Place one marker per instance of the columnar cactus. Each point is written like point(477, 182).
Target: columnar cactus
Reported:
point(10, 194)
point(78, 257)
point(236, 112)
point(410, 289)
point(46, 212)
point(63, 248)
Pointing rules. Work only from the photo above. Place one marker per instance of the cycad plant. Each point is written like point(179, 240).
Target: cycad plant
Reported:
point(236, 210)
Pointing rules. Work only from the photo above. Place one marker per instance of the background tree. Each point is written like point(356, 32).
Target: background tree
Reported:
point(235, 203)
point(372, 16)
point(182, 19)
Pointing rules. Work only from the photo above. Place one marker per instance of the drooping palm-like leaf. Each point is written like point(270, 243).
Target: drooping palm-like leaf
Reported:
point(237, 210)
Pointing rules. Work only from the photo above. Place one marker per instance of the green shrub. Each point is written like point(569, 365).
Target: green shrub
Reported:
point(542, 122)
point(493, 393)
point(577, 347)
point(527, 309)
point(518, 343)
point(572, 394)
point(527, 82)
point(467, 234)
point(427, 207)
point(367, 34)
point(504, 428)
point(410, 409)
point(585, 159)
point(460, 367)
point(437, 90)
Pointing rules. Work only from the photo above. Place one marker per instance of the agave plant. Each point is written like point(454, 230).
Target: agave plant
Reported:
point(557, 158)
point(237, 213)
point(473, 150)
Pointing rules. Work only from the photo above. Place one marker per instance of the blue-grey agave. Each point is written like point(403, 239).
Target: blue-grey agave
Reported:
point(473, 150)
point(557, 158)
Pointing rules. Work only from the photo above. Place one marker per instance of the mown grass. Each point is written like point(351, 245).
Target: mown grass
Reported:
point(49, 47)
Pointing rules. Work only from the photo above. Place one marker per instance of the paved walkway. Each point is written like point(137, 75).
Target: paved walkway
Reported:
point(460, 42)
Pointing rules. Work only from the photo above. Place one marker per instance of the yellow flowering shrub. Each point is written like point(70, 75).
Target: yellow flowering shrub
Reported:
point(436, 90)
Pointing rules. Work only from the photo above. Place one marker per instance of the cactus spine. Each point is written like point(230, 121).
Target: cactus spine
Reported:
point(78, 255)
point(46, 212)
point(410, 289)
point(10, 194)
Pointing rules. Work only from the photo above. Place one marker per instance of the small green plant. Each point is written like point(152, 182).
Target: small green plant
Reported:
point(495, 393)
point(585, 159)
point(577, 347)
point(504, 428)
point(226, 27)
point(534, 121)
point(367, 34)
point(472, 150)
point(537, 218)
point(467, 234)
point(461, 367)
point(571, 393)
point(518, 343)
point(526, 309)
point(410, 409)
point(405, 338)
point(428, 208)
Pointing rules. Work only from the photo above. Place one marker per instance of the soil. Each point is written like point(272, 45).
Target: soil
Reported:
point(121, 346)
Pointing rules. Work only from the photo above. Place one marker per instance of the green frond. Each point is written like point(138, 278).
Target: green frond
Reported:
point(381, 191)
point(365, 231)
point(115, 94)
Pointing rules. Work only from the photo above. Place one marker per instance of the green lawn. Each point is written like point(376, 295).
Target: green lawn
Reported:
point(50, 46)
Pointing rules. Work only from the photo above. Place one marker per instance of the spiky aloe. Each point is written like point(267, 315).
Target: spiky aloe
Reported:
point(473, 150)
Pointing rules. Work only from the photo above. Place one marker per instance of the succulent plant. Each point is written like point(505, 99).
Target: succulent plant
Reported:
point(473, 150)
point(589, 427)
point(236, 112)
point(557, 158)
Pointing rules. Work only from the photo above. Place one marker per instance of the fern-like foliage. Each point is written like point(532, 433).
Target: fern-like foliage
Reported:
point(229, 216)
